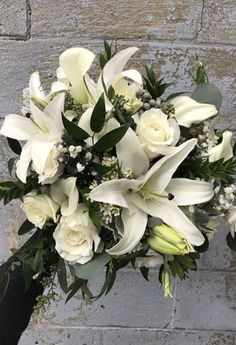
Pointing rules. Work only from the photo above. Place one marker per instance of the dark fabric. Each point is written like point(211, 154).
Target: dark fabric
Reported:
point(17, 305)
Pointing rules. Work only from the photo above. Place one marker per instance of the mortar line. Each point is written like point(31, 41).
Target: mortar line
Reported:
point(112, 327)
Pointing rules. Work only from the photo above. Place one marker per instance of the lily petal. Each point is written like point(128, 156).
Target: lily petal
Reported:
point(18, 127)
point(159, 176)
point(223, 150)
point(75, 62)
point(133, 158)
point(171, 214)
point(190, 192)
point(135, 221)
point(40, 151)
point(35, 87)
point(23, 163)
point(65, 193)
point(115, 66)
point(112, 192)
point(188, 111)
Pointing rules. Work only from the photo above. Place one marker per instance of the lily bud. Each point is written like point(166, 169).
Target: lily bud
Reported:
point(166, 281)
point(167, 240)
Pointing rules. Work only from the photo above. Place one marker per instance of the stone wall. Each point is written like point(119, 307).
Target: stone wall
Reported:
point(169, 33)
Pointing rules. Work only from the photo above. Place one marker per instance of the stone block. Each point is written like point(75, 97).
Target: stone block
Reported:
point(142, 19)
point(206, 301)
point(14, 19)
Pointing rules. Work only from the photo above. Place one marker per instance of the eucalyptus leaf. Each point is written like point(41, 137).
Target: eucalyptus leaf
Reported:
point(14, 145)
point(93, 267)
point(110, 139)
point(98, 115)
point(74, 130)
point(208, 93)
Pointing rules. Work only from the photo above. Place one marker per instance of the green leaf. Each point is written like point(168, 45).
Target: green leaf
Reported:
point(98, 115)
point(175, 94)
point(10, 165)
point(74, 288)
point(231, 241)
point(74, 130)
point(38, 261)
point(93, 267)
point(110, 139)
point(4, 282)
point(204, 247)
point(62, 275)
point(144, 271)
point(25, 227)
point(208, 93)
point(95, 217)
point(14, 145)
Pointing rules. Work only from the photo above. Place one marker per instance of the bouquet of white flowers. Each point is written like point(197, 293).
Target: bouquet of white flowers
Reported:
point(113, 172)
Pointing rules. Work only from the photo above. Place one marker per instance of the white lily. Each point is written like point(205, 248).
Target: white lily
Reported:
point(65, 193)
point(222, 150)
point(42, 130)
point(125, 83)
point(148, 195)
point(74, 64)
point(188, 111)
point(72, 75)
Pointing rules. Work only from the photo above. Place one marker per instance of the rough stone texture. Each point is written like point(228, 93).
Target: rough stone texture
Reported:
point(165, 20)
point(169, 34)
point(218, 22)
point(14, 19)
point(206, 301)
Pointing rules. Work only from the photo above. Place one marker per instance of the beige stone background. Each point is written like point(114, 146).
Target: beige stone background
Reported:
point(169, 33)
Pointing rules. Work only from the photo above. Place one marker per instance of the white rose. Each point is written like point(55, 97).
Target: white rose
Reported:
point(65, 193)
point(222, 150)
point(157, 133)
point(50, 169)
point(76, 237)
point(231, 218)
point(39, 208)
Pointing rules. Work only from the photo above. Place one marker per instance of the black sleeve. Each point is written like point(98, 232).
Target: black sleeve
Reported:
point(17, 305)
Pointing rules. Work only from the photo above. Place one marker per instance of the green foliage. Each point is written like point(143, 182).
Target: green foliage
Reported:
point(181, 265)
point(208, 93)
point(14, 145)
point(201, 75)
point(155, 87)
point(25, 227)
point(93, 267)
point(62, 275)
point(98, 116)
point(231, 241)
point(10, 190)
point(108, 53)
point(74, 130)
point(144, 271)
point(202, 168)
point(110, 139)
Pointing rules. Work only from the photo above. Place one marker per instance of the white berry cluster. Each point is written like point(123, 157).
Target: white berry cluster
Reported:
point(207, 139)
point(225, 198)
